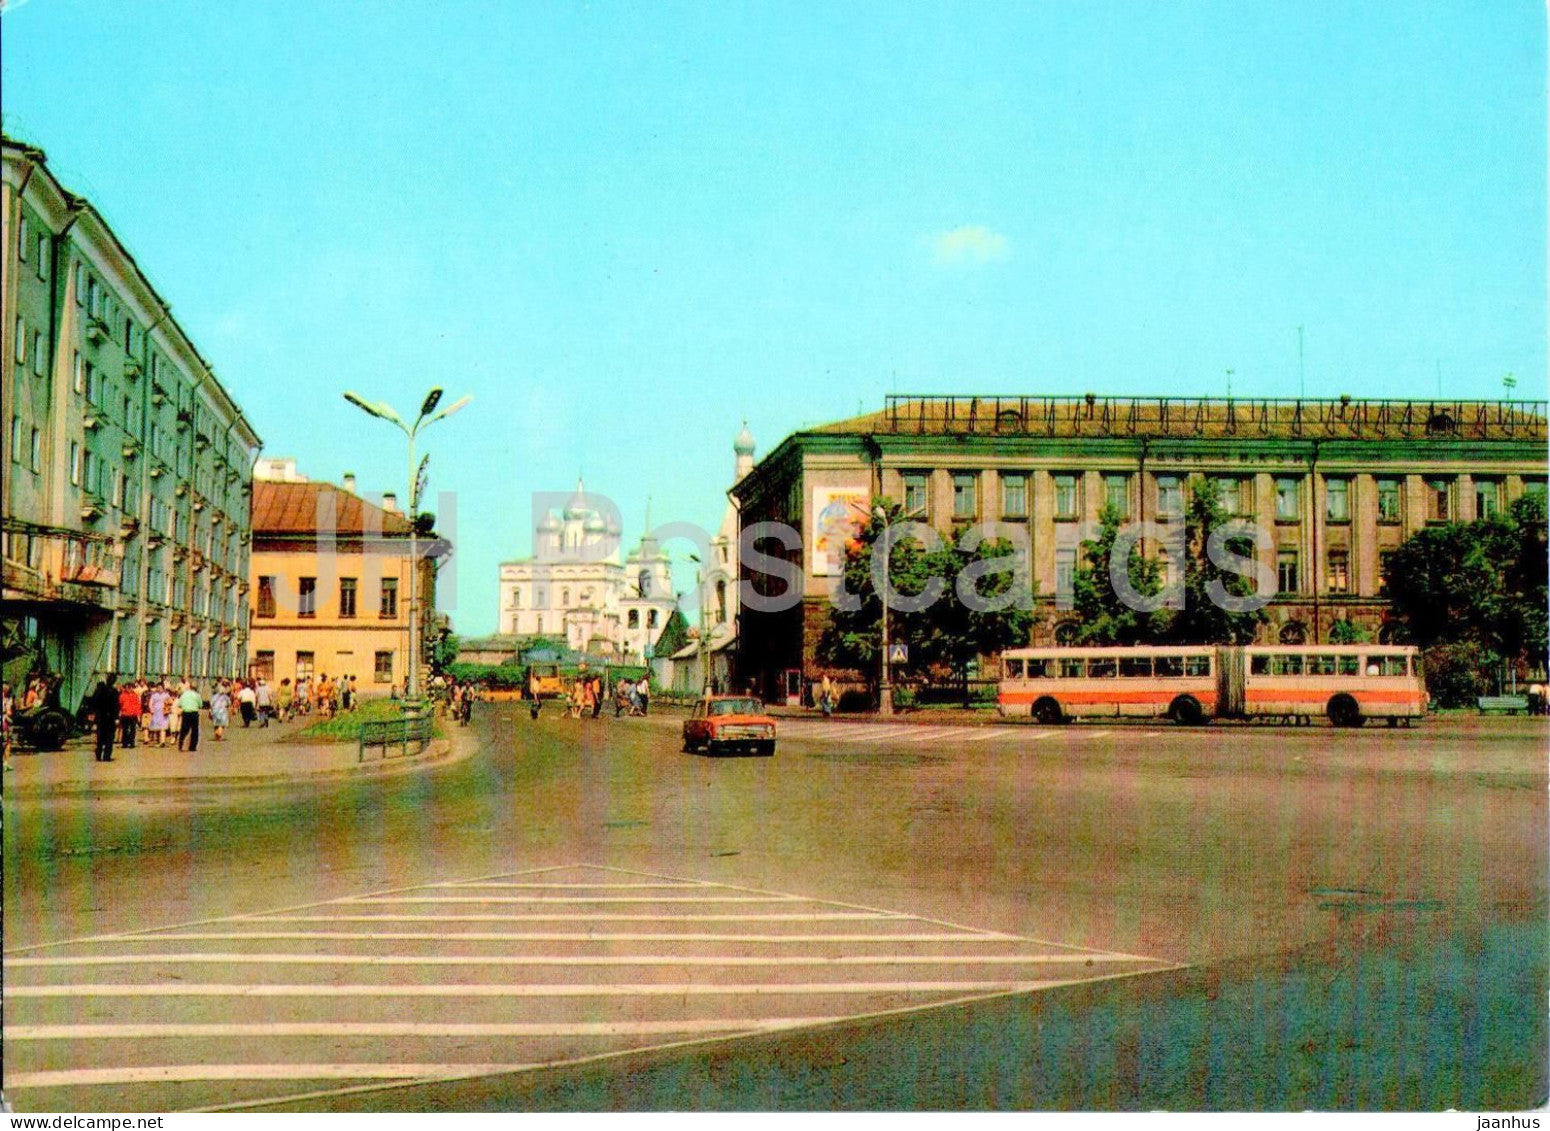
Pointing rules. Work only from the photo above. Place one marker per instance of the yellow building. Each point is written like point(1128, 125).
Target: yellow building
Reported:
point(330, 586)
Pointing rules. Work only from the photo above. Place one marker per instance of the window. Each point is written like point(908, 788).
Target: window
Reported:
point(1014, 496)
point(1168, 667)
point(1286, 665)
point(1488, 497)
point(721, 601)
point(965, 495)
point(1229, 494)
point(651, 618)
point(1135, 666)
point(37, 353)
point(914, 494)
point(347, 596)
point(1116, 494)
point(21, 342)
point(1065, 496)
point(1065, 571)
point(1101, 668)
point(16, 439)
point(1170, 496)
point(43, 255)
point(80, 285)
point(382, 668)
point(1534, 489)
point(1197, 665)
point(1014, 669)
point(1337, 500)
point(633, 620)
point(263, 665)
point(1388, 500)
point(304, 666)
point(1287, 505)
point(1322, 664)
point(389, 605)
point(93, 298)
point(265, 586)
point(1339, 578)
point(1286, 571)
point(24, 237)
point(1439, 494)
point(75, 464)
point(1073, 668)
point(36, 462)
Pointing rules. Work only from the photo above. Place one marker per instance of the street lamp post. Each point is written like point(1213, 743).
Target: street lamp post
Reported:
point(885, 687)
point(382, 411)
point(699, 595)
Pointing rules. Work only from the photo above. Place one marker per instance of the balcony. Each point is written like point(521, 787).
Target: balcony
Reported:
point(128, 526)
point(132, 368)
point(97, 331)
point(61, 566)
point(130, 449)
point(92, 508)
point(157, 470)
point(91, 421)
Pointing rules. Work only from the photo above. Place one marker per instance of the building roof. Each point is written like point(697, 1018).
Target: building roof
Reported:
point(281, 509)
point(1092, 416)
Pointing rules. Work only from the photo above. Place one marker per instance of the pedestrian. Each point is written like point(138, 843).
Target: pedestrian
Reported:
point(220, 710)
point(283, 700)
point(161, 714)
point(7, 706)
point(104, 705)
point(263, 701)
point(247, 700)
point(190, 703)
point(597, 695)
point(643, 689)
point(826, 696)
point(128, 716)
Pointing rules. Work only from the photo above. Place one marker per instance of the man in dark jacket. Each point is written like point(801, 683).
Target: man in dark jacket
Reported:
point(104, 705)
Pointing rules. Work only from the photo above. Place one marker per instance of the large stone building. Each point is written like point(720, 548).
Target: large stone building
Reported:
point(1336, 485)
point(331, 591)
point(127, 465)
point(575, 588)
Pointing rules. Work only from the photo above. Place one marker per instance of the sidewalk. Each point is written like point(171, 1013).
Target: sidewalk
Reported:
point(247, 758)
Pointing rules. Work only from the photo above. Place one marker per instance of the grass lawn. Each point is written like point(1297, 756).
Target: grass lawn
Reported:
point(346, 727)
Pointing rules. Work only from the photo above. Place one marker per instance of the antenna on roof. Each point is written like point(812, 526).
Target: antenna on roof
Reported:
point(1229, 384)
point(1302, 384)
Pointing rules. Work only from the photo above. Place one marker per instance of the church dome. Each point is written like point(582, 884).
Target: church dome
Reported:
point(744, 444)
point(595, 524)
point(550, 525)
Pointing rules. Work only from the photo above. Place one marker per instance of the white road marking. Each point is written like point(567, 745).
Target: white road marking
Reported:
point(563, 936)
point(378, 899)
point(936, 734)
point(983, 735)
point(822, 917)
point(161, 1031)
point(569, 960)
point(1096, 733)
point(187, 1073)
point(519, 989)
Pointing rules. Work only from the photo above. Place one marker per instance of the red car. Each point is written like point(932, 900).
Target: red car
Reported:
point(730, 722)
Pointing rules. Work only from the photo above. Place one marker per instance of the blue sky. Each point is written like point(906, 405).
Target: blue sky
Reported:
point(626, 227)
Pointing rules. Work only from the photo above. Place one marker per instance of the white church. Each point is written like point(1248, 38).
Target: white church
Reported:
point(574, 587)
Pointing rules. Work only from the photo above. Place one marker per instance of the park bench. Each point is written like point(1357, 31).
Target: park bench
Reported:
point(1506, 704)
point(396, 732)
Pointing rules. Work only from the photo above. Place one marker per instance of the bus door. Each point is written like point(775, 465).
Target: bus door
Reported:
point(1230, 674)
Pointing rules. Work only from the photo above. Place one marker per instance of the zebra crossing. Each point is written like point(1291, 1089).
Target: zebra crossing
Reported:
point(472, 977)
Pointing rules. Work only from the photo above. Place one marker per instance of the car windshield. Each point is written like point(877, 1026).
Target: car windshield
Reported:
point(735, 707)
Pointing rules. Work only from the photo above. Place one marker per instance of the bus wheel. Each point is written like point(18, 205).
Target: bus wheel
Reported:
point(1186, 711)
point(1344, 712)
point(1047, 711)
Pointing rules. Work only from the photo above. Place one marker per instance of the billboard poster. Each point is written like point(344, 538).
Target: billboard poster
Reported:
point(839, 514)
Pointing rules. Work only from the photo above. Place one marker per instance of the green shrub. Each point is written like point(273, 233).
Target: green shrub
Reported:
point(1458, 674)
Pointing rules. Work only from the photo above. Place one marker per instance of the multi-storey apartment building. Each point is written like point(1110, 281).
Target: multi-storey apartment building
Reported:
point(127, 465)
point(331, 593)
point(1335, 485)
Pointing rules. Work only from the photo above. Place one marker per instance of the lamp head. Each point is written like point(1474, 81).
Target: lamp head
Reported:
point(450, 409)
point(364, 405)
point(432, 399)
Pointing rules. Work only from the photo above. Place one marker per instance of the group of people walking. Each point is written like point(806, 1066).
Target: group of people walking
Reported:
point(587, 696)
point(153, 713)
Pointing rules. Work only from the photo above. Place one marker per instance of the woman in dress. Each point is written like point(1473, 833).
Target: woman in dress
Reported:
point(161, 707)
point(220, 710)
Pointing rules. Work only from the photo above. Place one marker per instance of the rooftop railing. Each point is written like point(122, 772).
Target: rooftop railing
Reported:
point(1217, 417)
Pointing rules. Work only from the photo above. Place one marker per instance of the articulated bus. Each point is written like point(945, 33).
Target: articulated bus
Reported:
point(1347, 683)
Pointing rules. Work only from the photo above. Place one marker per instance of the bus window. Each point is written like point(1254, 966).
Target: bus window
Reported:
point(1100, 668)
point(1072, 668)
point(1350, 665)
point(1135, 666)
point(1014, 669)
point(1370, 665)
point(1286, 665)
point(1393, 665)
point(1197, 665)
point(1041, 669)
point(1322, 664)
point(1169, 667)
point(1259, 665)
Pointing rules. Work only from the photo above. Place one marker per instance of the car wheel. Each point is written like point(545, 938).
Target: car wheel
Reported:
point(50, 731)
point(1187, 712)
point(1344, 712)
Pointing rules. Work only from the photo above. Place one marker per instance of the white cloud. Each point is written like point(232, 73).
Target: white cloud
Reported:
point(971, 244)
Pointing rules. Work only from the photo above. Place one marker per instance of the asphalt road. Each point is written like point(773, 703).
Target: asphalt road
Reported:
point(877, 918)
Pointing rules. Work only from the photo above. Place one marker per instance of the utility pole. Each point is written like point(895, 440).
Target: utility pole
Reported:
point(885, 686)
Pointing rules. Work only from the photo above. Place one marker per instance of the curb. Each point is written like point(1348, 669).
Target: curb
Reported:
point(442, 751)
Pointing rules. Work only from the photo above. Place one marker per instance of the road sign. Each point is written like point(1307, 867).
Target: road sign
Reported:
point(898, 653)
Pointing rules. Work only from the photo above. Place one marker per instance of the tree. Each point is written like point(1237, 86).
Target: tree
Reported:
point(1481, 582)
point(1348, 632)
point(1101, 616)
point(1204, 620)
point(675, 634)
point(950, 631)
